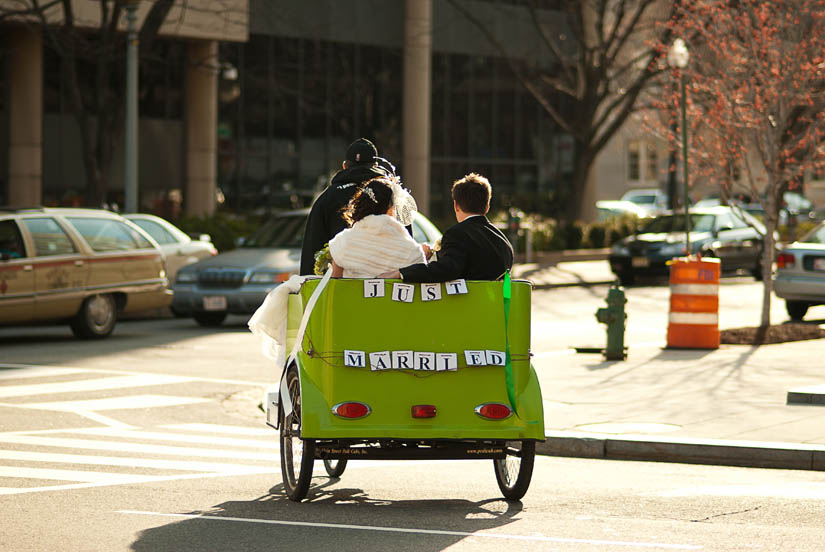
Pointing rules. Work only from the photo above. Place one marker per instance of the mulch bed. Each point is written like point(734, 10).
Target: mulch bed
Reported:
point(792, 331)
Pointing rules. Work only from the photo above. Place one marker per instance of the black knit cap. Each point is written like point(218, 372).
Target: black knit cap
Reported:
point(362, 152)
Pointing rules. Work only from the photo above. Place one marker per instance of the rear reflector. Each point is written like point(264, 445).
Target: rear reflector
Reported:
point(785, 260)
point(423, 411)
point(351, 410)
point(493, 411)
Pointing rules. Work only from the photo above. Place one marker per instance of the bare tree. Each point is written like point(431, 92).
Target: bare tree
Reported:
point(756, 100)
point(595, 77)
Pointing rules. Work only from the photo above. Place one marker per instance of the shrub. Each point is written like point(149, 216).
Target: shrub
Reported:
point(224, 227)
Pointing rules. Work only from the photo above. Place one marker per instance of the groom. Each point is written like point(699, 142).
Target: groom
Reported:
point(473, 249)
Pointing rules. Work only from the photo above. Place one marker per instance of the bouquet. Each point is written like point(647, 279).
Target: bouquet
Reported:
point(322, 260)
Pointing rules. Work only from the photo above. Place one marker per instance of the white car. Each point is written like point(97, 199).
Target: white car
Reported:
point(177, 247)
point(800, 273)
point(652, 200)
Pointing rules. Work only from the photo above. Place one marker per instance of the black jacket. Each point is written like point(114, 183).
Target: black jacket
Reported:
point(325, 219)
point(473, 250)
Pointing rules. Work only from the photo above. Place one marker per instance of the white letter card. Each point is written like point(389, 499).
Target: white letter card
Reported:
point(475, 358)
point(424, 361)
point(430, 292)
point(446, 361)
point(456, 287)
point(495, 358)
point(380, 360)
point(402, 360)
point(356, 359)
point(403, 292)
point(373, 288)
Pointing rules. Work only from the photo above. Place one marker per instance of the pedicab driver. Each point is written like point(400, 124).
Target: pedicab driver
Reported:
point(473, 249)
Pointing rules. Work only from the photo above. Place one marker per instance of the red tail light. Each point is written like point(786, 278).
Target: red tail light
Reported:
point(351, 410)
point(423, 411)
point(785, 260)
point(494, 411)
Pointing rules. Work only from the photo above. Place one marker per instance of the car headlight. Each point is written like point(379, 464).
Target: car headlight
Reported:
point(620, 249)
point(186, 277)
point(269, 277)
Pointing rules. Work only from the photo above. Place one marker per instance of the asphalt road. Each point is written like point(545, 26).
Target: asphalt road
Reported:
point(151, 440)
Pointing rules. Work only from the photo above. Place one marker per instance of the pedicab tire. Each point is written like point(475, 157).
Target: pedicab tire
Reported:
point(296, 485)
point(335, 467)
point(514, 485)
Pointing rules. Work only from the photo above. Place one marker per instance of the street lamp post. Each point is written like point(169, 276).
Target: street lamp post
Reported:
point(678, 56)
point(130, 183)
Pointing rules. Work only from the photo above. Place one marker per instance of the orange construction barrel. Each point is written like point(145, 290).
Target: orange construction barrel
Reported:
point(694, 303)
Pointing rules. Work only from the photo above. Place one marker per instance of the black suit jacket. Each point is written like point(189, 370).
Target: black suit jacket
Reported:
point(473, 249)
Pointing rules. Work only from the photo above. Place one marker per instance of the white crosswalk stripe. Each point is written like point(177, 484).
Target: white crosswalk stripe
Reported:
point(117, 453)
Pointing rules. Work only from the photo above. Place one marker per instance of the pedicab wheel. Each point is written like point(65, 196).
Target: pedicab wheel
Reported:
point(297, 455)
point(513, 473)
point(335, 467)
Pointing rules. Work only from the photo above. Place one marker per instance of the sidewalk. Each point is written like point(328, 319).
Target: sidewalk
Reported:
point(736, 405)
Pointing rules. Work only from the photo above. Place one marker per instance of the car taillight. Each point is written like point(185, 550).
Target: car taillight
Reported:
point(493, 411)
point(785, 260)
point(351, 410)
point(423, 411)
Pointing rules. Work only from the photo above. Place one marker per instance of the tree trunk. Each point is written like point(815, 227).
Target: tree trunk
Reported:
point(769, 246)
point(577, 192)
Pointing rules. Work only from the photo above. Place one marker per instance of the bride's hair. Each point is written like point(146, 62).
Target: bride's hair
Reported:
point(373, 198)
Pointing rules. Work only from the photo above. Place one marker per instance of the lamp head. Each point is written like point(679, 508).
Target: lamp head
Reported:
point(678, 55)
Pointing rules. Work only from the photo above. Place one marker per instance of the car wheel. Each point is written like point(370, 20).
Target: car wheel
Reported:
point(209, 318)
point(796, 309)
point(626, 278)
point(757, 273)
point(96, 318)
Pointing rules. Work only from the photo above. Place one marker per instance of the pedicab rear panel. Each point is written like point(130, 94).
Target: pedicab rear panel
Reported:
point(345, 320)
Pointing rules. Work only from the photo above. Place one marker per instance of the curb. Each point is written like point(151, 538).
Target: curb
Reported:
point(751, 454)
point(814, 395)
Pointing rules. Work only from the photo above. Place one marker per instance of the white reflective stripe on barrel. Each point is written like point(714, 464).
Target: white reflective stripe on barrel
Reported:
point(706, 318)
point(694, 289)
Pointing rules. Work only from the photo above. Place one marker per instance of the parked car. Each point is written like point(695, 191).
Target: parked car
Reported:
point(177, 247)
point(652, 200)
point(800, 273)
point(78, 266)
point(733, 237)
point(608, 209)
point(237, 282)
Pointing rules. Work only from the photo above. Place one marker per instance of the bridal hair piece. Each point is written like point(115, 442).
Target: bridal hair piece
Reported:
point(404, 203)
point(370, 193)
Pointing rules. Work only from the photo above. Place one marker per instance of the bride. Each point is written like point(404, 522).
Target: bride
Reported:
point(376, 241)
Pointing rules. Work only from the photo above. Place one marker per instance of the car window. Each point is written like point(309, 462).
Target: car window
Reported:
point(676, 223)
point(11, 242)
point(158, 232)
point(418, 233)
point(643, 199)
point(284, 231)
point(49, 237)
point(104, 234)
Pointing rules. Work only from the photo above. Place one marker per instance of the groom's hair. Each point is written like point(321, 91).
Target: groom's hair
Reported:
point(472, 194)
point(373, 198)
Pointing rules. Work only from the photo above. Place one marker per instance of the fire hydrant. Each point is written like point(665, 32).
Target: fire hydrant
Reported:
point(615, 317)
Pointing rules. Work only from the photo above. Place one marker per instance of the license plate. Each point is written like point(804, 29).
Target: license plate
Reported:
point(640, 262)
point(214, 303)
point(819, 263)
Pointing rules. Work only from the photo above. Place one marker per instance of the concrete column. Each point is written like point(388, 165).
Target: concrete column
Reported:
point(418, 23)
point(201, 114)
point(25, 117)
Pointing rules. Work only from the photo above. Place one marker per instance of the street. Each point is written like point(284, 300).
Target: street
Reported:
point(152, 440)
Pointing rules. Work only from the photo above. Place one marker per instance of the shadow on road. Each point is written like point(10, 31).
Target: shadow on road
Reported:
point(273, 522)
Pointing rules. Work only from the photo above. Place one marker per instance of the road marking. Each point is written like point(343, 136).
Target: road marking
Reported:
point(160, 450)
point(180, 437)
point(538, 538)
point(127, 462)
point(233, 430)
point(22, 472)
point(20, 372)
point(115, 403)
point(97, 384)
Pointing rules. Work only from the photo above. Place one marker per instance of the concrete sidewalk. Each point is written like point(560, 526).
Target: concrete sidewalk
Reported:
point(736, 405)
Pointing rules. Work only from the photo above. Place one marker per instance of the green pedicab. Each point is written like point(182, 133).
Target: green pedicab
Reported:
point(387, 370)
